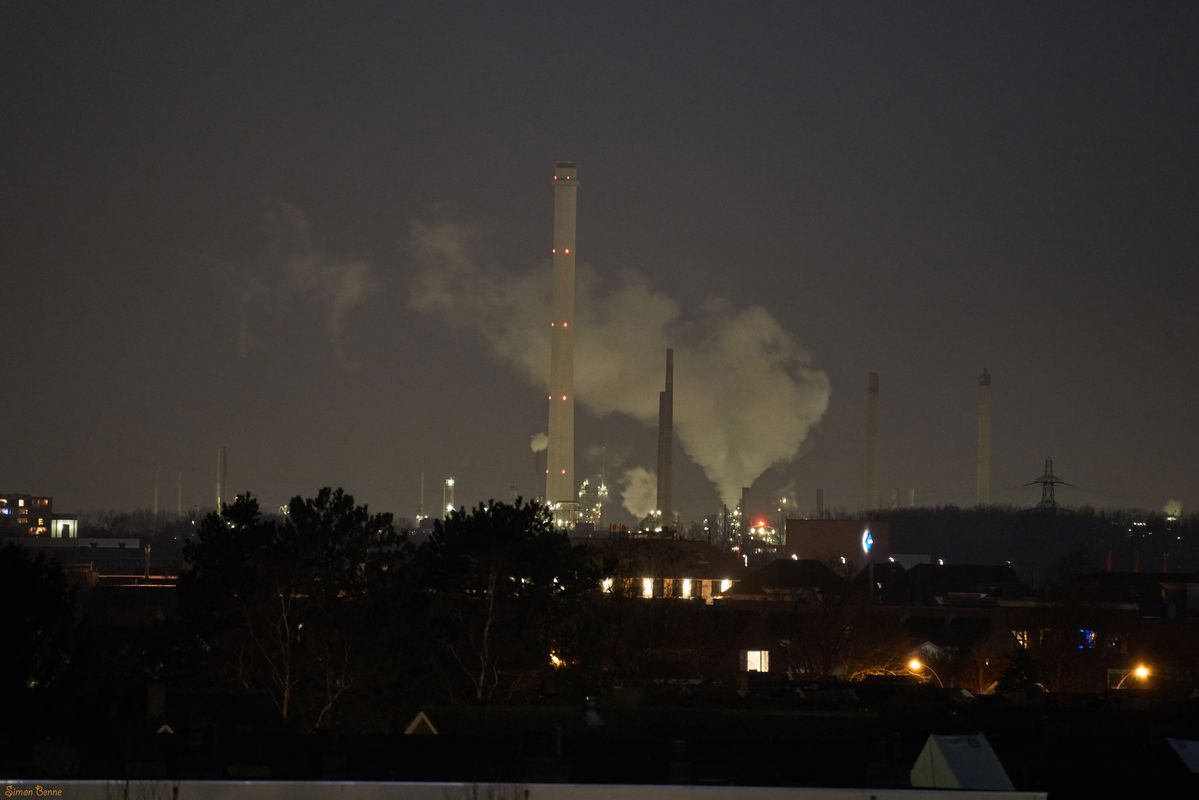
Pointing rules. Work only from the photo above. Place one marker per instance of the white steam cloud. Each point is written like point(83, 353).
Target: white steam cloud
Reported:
point(1172, 508)
point(745, 394)
point(539, 442)
point(640, 493)
point(290, 272)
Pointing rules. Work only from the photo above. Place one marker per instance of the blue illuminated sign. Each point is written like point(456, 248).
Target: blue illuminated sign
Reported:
point(867, 542)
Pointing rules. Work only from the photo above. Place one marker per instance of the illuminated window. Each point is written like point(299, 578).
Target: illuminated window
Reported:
point(1021, 638)
point(21, 503)
point(686, 592)
point(755, 661)
point(1086, 639)
point(647, 587)
point(43, 501)
point(725, 585)
point(606, 584)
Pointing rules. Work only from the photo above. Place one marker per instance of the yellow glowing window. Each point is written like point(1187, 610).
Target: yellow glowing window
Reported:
point(755, 661)
point(1021, 638)
point(647, 587)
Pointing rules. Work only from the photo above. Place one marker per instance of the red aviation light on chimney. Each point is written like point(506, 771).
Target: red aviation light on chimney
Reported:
point(566, 250)
point(565, 324)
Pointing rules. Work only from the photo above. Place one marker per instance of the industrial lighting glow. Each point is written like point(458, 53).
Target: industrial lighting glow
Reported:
point(606, 584)
point(647, 587)
point(686, 587)
point(1141, 672)
point(725, 585)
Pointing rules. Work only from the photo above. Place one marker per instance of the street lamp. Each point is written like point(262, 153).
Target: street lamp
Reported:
point(1140, 672)
point(916, 665)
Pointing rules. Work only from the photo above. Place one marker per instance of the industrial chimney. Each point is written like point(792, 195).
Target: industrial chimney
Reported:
point(872, 441)
point(984, 438)
point(447, 497)
point(222, 474)
point(666, 445)
point(560, 455)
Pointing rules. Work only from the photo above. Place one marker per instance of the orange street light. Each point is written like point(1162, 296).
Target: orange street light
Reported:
point(916, 665)
point(1140, 672)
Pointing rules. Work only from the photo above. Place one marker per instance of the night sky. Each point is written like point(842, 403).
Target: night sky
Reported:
point(217, 217)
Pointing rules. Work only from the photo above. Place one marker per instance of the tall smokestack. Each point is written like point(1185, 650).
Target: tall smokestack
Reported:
point(156, 494)
point(560, 456)
point(872, 441)
point(447, 497)
point(222, 474)
point(820, 504)
point(666, 444)
point(984, 438)
point(179, 494)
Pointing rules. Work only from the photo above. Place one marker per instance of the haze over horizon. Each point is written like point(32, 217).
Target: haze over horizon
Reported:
point(214, 222)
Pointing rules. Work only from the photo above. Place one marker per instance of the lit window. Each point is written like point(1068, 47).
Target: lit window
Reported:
point(755, 661)
point(686, 591)
point(1021, 638)
point(647, 587)
point(606, 584)
point(21, 503)
point(1086, 639)
point(725, 585)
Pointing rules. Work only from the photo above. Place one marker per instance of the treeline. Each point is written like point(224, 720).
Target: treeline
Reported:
point(325, 618)
point(1061, 544)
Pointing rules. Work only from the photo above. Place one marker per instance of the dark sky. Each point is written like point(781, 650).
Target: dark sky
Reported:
point(208, 214)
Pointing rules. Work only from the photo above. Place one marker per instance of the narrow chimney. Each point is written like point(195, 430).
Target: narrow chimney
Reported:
point(560, 455)
point(666, 445)
point(872, 441)
point(984, 438)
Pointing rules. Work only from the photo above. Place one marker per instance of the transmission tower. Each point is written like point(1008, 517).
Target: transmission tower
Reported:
point(1047, 482)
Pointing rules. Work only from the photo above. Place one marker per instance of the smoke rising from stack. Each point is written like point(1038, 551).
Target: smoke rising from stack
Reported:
point(292, 279)
point(538, 442)
point(746, 394)
point(640, 491)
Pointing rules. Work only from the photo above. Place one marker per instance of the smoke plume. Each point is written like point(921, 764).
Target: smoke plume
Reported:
point(539, 442)
point(745, 393)
point(640, 493)
point(1172, 508)
point(290, 272)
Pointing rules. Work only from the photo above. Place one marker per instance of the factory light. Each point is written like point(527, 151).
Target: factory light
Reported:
point(606, 584)
point(647, 587)
point(725, 584)
point(686, 587)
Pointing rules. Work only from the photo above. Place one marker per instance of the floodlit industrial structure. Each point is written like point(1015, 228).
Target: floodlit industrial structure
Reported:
point(560, 457)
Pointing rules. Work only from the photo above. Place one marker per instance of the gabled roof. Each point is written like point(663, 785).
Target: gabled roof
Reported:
point(959, 762)
point(789, 576)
